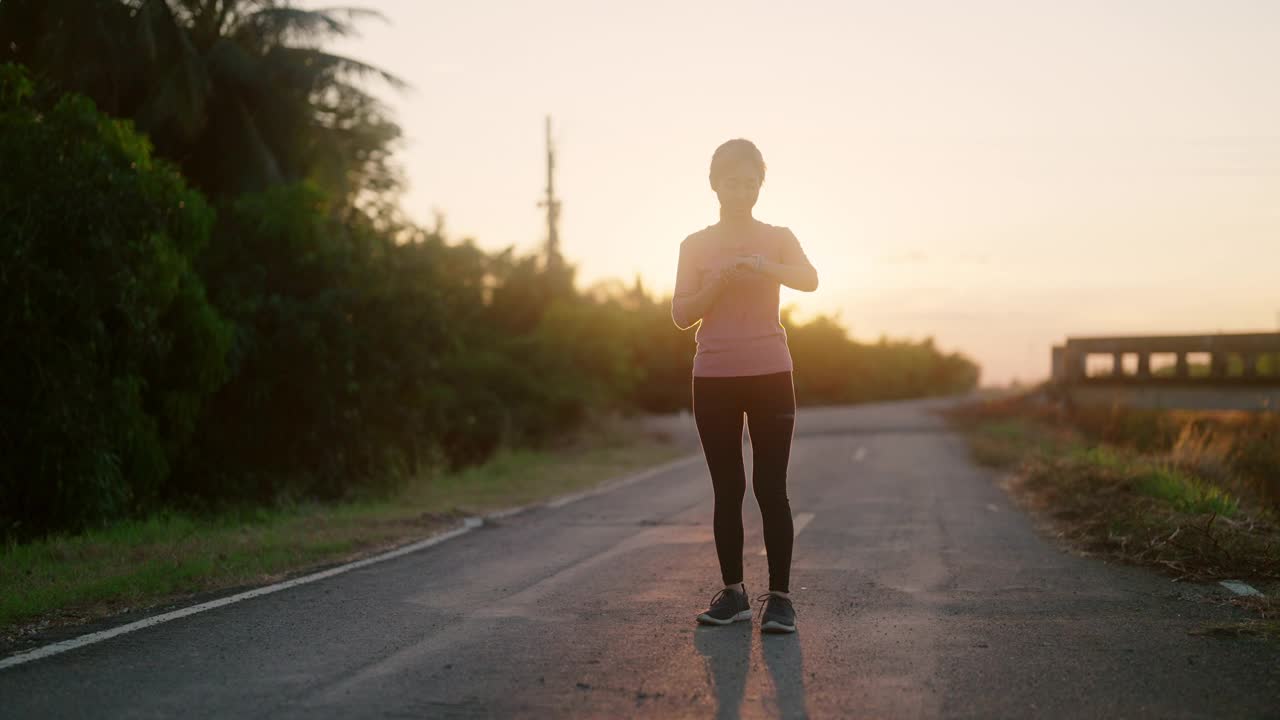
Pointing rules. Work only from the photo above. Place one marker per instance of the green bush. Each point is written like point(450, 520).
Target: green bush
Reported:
point(831, 368)
point(288, 423)
point(111, 346)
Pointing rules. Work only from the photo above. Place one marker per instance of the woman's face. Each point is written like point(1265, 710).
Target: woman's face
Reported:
point(738, 185)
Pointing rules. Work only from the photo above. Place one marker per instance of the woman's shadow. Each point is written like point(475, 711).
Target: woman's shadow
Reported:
point(727, 651)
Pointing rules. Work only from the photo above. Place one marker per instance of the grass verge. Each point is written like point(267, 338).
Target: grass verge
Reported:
point(1139, 502)
point(170, 557)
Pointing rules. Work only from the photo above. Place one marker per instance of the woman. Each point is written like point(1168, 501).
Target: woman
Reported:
point(728, 277)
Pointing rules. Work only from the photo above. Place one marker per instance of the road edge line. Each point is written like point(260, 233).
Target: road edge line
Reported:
point(468, 524)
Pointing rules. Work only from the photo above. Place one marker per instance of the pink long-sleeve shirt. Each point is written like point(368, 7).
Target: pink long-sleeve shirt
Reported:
point(741, 333)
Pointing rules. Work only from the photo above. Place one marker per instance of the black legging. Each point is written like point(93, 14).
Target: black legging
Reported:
point(770, 405)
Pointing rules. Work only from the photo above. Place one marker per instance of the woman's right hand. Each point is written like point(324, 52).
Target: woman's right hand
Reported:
point(722, 279)
point(740, 267)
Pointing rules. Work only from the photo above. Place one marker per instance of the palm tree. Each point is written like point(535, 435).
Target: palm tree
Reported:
point(238, 92)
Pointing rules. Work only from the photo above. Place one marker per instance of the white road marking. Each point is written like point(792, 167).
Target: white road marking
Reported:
point(468, 525)
point(992, 507)
point(1240, 588)
point(860, 454)
point(61, 647)
point(800, 520)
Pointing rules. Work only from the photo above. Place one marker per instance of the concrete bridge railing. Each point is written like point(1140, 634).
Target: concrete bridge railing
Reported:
point(1237, 371)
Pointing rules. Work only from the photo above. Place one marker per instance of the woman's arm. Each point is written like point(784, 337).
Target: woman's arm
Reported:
point(691, 300)
point(801, 277)
point(795, 270)
point(689, 309)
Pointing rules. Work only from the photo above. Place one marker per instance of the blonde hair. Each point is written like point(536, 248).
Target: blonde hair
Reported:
point(738, 148)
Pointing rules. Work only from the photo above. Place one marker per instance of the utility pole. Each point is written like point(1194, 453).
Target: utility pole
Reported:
point(552, 204)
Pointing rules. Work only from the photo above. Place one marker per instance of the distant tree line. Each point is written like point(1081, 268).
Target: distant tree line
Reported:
point(208, 295)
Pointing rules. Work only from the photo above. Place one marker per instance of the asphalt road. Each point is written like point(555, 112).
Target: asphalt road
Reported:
point(920, 592)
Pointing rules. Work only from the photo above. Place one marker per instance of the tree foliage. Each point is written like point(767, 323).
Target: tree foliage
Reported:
point(111, 345)
point(290, 336)
point(238, 93)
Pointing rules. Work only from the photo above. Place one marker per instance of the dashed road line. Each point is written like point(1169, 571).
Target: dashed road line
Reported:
point(798, 522)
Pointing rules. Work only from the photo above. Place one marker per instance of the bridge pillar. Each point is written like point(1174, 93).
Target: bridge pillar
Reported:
point(1144, 364)
point(1117, 364)
point(1250, 364)
point(1217, 364)
point(1072, 364)
point(1182, 370)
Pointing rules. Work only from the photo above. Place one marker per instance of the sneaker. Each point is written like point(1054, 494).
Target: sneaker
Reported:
point(779, 614)
point(728, 606)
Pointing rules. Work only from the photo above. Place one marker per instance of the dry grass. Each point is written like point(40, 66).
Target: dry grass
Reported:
point(1265, 625)
point(1172, 490)
point(1239, 451)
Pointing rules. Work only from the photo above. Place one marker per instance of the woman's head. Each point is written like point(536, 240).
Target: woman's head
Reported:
point(737, 171)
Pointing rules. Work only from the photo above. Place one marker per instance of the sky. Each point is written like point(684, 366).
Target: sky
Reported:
point(996, 175)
